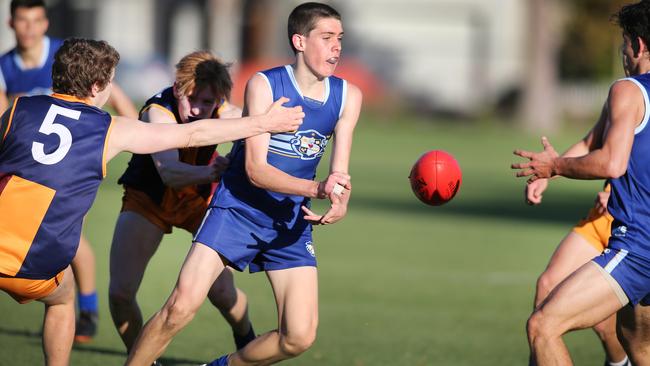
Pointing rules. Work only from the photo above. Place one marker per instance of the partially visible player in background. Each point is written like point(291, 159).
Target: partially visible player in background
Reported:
point(27, 70)
point(172, 189)
point(260, 217)
point(584, 242)
point(43, 136)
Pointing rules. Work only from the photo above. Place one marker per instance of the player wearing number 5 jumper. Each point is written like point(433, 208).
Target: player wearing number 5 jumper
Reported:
point(53, 151)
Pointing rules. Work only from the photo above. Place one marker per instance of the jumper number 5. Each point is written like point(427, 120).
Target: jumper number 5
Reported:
point(49, 127)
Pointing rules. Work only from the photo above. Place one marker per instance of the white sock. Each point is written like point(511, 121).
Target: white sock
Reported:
point(620, 363)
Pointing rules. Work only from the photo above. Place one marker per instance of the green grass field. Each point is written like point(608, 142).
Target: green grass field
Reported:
point(400, 283)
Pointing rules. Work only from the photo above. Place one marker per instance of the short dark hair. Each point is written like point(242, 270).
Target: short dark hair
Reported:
point(80, 63)
point(15, 4)
point(304, 17)
point(634, 20)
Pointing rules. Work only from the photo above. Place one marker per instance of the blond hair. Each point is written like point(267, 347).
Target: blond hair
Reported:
point(201, 69)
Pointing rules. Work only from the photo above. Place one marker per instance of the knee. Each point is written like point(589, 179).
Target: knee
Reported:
point(120, 297)
point(295, 343)
point(224, 296)
point(538, 327)
point(177, 314)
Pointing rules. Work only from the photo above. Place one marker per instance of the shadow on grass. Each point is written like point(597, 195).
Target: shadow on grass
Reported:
point(36, 336)
point(122, 354)
point(20, 333)
point(562, 208)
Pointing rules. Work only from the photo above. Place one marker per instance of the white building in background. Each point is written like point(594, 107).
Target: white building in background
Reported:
point(454, 55)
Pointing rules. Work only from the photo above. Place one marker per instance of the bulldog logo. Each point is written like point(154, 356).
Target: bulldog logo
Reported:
point(309, 144)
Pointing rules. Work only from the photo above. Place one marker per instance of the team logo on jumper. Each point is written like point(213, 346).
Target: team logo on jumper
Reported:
point(310, 248)
point(309, 144)
point(620, 231)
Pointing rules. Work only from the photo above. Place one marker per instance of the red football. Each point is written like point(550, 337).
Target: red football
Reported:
point(436, 177)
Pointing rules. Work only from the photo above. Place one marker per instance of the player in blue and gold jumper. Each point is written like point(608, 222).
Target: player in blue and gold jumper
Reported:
point(27, 70)
point(53, 155)
point(172, 189)
point(259, 216)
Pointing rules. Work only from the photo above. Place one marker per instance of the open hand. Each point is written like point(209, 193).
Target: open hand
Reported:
point(283, 119)
point(540, 165)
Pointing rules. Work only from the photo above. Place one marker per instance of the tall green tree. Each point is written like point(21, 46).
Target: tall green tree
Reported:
point(589, 50)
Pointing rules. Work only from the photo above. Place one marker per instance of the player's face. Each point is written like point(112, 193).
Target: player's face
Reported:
point(322, 48)
point(630, 60)
point(29, 25)
point(198, 105)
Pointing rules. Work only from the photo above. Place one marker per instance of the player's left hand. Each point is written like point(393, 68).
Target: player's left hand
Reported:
point(338, 209)
point(601, 202)
point(534, 191)
point(540, 165)
point(326, 187)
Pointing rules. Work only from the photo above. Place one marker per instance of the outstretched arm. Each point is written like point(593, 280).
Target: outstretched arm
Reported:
point(173, 172)
point(260, 172)
point(228, 110)
point(625, 110)
point(146, 138)
point(534, 190)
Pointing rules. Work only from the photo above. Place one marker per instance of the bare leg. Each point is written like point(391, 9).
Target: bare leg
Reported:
point(296, 295)
point(231, 302)
point(83, 266)
point(634, 331)
point(58, 322)
point(582, 300)
point(135, 241)
point(572, 252)
point(201, 268)
point(606, 331)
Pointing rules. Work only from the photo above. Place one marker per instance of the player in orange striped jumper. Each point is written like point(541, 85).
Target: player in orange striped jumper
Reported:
point(53, 154)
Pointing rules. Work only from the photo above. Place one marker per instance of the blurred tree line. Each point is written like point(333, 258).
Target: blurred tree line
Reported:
point(590, 48)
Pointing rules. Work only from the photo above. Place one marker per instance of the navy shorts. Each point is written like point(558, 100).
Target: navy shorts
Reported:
point(632, 272)
point(245, 243)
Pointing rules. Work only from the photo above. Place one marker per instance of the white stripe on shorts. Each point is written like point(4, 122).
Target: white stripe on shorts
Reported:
point(202, 222)
point(615, 261)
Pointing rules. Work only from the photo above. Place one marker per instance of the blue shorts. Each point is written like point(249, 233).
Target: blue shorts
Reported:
point(244, 243)
point(632, 272)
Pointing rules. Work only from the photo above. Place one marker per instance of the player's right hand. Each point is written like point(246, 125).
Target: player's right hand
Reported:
point(326, 187)
point(534, 191)
point(283, 119)
point(540, 165)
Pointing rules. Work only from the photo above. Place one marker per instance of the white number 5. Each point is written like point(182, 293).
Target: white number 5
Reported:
point(48, 127)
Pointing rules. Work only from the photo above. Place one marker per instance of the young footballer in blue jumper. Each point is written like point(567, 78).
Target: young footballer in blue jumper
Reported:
point(260, 216)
